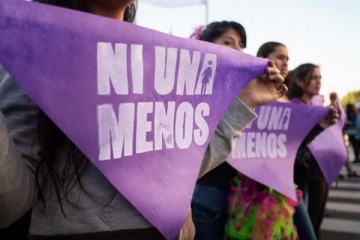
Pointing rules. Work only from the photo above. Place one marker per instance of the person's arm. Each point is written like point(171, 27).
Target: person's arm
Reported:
point(18, 151)
point(17, 193)
point(315, 131)
point(235, 119)
point(328, 121)
point(258, 91)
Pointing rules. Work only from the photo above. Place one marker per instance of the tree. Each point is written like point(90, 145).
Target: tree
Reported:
point(352, 97)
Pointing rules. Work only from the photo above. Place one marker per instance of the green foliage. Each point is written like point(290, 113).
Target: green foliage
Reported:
point(352, 97)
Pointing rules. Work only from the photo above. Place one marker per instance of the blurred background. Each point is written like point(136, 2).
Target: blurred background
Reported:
point(323, 32)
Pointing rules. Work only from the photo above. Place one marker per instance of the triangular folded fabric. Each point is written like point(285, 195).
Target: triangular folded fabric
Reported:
point(141, 105)
point(329, 148)
point(267, 149)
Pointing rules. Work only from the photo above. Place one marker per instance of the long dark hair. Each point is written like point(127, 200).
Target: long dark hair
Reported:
point(51, 136)
point(81, 5)
point(217, 29)
point(267, 48)
point(302, 73)
point(351, 109)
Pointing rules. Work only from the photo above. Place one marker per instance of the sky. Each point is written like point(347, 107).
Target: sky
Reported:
point(323, 32)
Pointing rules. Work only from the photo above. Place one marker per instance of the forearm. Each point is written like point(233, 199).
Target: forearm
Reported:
point(235, 119)
point(315, 131)
point(18, 151)
point(17, 191)
point(303, 150)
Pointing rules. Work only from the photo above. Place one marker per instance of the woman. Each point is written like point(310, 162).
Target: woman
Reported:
point(350, 124)
point(41, 169)
point(210, 199)
point(235, 228)
point(306, 83)
point(279, 54)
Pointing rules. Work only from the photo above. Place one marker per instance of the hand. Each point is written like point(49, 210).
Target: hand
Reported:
point(264, 89)
point(331, 118)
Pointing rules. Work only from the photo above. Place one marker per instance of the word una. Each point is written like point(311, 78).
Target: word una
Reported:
point(176, 70)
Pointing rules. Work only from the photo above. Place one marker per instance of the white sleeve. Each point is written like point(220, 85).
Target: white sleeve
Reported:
point(235, 119)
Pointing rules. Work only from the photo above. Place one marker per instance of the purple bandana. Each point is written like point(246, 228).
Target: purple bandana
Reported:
point(329, 148)
point(140, 104)
point(266, 150)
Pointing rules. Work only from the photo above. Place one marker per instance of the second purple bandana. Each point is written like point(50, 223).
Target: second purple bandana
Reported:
point(141, 105)
point(266, 150)
point(329, 148)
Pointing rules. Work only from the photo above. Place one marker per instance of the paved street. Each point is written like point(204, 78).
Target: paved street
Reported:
point(342, 218)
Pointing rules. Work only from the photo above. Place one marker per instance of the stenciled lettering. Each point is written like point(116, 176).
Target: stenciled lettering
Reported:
point(112, 64)
point(125, 129)
point(260, 145)
point(149, 126)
